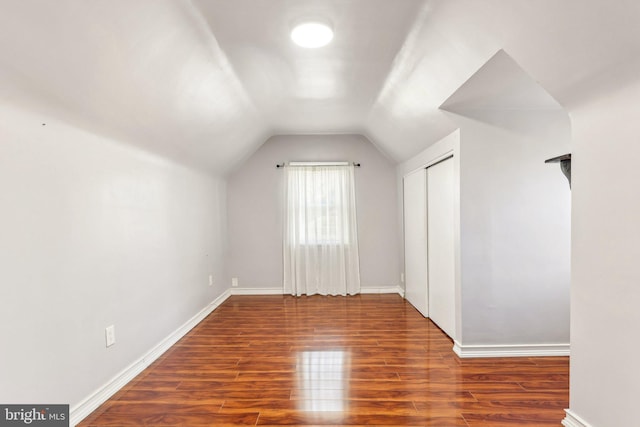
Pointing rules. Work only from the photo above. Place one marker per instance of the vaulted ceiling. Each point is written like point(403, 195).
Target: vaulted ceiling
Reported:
point(206, 82)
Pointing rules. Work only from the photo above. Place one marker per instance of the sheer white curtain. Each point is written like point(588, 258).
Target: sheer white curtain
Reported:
point(320, 231)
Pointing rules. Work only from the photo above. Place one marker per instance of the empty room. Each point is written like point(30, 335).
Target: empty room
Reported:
point(319, 212)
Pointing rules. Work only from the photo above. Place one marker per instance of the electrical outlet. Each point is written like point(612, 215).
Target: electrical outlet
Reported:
point(211, 280)
point(401, 277)
point(110, 335)
point(234, 282)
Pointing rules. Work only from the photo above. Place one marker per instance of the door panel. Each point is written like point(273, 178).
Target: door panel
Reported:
point(440, 244)
point(415, 240)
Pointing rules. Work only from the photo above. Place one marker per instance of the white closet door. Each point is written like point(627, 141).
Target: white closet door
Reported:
point(415, 240)
point(440, 243)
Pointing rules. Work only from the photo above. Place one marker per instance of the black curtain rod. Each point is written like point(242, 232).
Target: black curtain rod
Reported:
point(281, 165)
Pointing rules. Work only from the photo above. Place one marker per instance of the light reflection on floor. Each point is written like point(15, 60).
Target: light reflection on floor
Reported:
point(323, 379)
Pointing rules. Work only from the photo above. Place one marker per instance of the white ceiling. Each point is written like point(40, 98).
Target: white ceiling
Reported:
point(326, 90)
point(206, 82)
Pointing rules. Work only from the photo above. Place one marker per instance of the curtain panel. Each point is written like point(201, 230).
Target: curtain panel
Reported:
point(320, 231)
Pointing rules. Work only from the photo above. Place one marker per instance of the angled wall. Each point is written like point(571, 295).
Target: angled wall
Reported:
point(95, 233)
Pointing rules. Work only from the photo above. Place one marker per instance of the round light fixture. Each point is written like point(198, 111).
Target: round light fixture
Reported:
point(312, 34)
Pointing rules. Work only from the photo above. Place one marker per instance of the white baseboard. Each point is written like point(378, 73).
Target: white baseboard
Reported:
point(572, 420)
point(256, 291)
point(383, 290)
point(279, 291)
point(520, 350)
point(81, 410)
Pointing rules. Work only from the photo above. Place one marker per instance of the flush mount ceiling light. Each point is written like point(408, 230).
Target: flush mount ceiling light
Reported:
point(312, 34)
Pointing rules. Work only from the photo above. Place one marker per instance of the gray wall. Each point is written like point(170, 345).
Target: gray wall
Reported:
point(95, 233)
point(255, 208)
point(515, 227)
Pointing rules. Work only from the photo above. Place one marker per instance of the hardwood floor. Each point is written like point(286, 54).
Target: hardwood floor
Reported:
point(364, 360)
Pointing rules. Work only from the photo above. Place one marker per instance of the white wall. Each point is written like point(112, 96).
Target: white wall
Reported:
point(605, 291)
point(94, 233)
point(255, 203)
point(515, 227)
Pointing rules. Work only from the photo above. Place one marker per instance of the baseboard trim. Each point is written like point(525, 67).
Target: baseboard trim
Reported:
point(572, 420)
point(256, 291)
point(383, 290)
point(279, 291)
point(519, 350)
point(83, 409)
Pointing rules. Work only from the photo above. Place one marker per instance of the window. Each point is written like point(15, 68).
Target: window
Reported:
point(320, 214)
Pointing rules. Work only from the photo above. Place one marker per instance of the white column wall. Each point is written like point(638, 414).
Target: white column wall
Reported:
point(605, 290)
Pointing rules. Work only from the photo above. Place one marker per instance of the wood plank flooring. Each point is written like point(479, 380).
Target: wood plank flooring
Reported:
point(363, 360)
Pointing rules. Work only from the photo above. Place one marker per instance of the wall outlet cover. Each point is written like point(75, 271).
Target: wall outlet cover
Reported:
point(110, 335)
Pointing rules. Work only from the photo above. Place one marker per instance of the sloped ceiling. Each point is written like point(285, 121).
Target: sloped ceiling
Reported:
point(206, 82)
point(500, 84)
